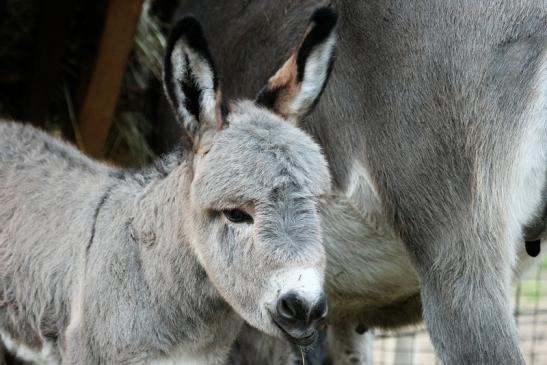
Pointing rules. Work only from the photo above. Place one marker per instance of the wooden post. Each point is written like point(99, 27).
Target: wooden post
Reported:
point(103, 90)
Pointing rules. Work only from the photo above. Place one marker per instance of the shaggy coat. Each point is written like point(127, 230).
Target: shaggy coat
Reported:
point(100, 265)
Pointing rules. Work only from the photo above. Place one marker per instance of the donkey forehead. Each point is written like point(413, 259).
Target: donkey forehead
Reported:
point(260, 153)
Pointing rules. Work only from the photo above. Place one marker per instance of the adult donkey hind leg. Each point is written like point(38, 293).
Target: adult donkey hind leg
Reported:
point(100, 265)
point(461, 164)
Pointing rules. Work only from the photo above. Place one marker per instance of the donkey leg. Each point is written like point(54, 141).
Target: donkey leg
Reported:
point(347, 346)
point(465, 288)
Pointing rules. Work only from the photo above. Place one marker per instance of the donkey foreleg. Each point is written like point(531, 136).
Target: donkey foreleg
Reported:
point(468, 315)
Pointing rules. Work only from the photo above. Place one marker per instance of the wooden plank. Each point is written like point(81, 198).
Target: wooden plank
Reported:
point(103, 89)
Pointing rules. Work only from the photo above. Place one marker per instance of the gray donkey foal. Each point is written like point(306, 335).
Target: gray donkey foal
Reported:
point(106, 266)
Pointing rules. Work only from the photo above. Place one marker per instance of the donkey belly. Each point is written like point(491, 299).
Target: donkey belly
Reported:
point(366, 273)
point(368, 268)
point(370, 278)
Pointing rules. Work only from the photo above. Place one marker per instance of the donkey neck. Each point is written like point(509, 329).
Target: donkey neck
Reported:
point(183, 295)
point(160, 207)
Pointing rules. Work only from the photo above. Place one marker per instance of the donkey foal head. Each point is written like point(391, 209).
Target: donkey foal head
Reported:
point(253, 223)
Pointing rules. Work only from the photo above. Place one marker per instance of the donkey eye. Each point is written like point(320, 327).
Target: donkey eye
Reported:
point(237, 216)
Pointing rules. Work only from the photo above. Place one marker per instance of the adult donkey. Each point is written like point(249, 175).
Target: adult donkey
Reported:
point(435, 127)
point(106, 266)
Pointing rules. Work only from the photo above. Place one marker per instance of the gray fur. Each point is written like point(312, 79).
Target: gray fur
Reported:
point(100, 265)
point(442, 104)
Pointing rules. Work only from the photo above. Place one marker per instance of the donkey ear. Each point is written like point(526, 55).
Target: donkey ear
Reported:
point(296, 87)
point(190, 81)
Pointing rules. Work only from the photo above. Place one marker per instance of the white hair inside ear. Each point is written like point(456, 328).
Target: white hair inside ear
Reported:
point(180, 65)
point(294, 90)
point(190, 80)
point(316, 72)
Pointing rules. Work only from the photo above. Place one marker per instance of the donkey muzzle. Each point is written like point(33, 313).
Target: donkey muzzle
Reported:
point(298, 317)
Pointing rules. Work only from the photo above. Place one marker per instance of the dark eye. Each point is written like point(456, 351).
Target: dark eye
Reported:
point(237, 216)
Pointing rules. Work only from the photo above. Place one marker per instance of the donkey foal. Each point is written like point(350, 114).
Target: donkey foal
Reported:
point(106, 266)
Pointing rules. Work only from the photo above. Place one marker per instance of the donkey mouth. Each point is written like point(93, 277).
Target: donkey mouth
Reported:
point(298, 337)
point(304, 341)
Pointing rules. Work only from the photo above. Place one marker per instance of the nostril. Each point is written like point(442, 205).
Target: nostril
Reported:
point(320, 309)
point(291, 308)
point(285, 310)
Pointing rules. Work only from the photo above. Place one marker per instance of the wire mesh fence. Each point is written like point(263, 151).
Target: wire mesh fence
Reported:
point(413, 346)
